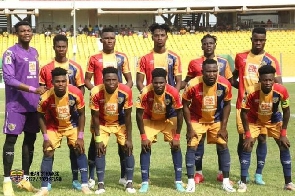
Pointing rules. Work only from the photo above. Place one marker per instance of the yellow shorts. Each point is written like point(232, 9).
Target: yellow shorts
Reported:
point(240, 128)
point(211, 129)
point(269, 129)
point(118, 130)
point(167, 127)
point(56, 137)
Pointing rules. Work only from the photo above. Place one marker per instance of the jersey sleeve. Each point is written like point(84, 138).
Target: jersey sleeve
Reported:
point(91, 65)
point(247, 101)
point(94, 99)
point(79, 77)
point(128, 101)
point(228, 92)
point(276, 65)
point(177, 67)
point(126, 68)
point(8, 68)
point(140, 99)
point(228, 73)
point(187, 93)
point(176, 100)
point(237, 62)
point(42, 76)
point(80, 99)
point(42, 107)
point(285, 101)
point(141, 65)
point(190, 69)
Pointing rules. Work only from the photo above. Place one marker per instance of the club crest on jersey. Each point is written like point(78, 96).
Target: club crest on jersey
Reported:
point(120, 100)
point(71, 102)
point(119, 60)
point(220, 65)
point(11, 126)
point(275, 99)
point(138, 100)
point(70, 72)
point(8, 53)
point(170, 61)
point(219, 93)
point(16, 175)
point(167, 101)
point(263, 63)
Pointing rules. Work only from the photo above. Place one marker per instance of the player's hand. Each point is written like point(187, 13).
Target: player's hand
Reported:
point(175, 145)
point(80, 145)
point(223, 134)
point(145, 145)
point(46, 145)
point(100, 148)
point(284, 141)
point(40, 90)
point(190, 134)
point(128, 147)
point(248, 143)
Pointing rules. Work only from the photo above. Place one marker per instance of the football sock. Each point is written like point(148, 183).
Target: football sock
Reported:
point(224, 157)
point(245, 163)
point(145, 159)
point(28, 151)
point(82, 165)
point(240, 146)
point(190, 161)
point(122, 160)
point(91, 158)
point(8, 153)
point(177, 162)
point(129, 166)
point(261, 152)
point(46, 167)
point(286, 163)
point(74, 164)
point(199, 156)
point(100, 163)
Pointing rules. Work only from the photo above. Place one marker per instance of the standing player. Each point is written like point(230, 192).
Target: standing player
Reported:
point(206, 107)
point(195, 69)
point(159, 109)
point(261, 116)
point(75, 77)
point(62, 113)
point(20, 73)
point(159, 57)
point(111, 106)
point(108, 57)
point(246, 70)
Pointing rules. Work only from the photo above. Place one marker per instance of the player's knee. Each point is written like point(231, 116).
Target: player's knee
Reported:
point(262, 138)
point(221, 146)
point(10, 140)
point(48, 154)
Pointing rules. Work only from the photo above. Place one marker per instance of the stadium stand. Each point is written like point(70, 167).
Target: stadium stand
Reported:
point(280, 43)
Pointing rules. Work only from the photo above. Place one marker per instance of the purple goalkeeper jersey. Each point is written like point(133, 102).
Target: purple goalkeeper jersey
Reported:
point(20, 66)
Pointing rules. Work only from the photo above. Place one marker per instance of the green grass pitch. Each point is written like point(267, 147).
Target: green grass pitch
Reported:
point(162, 174)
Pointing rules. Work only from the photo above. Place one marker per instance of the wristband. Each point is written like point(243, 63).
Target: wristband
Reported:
point(98, 139)
point(32, 89)
point(45, 137)
point(247, 134)
point(284, 132)
point(143, 136)
point(81, 135)
point(176, 137)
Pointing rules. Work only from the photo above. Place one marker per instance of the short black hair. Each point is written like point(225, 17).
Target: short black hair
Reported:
point(209, 61)
point(155, 26)
point(259, 30)
point(108, 29)
point(21, 23)
point(266, 69)
point(159, 72)
point(108, 70)
point(60, 37)
point(209, 36)
point(58, 71)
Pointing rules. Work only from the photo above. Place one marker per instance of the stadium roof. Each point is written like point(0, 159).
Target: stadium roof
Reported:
point(147, 6)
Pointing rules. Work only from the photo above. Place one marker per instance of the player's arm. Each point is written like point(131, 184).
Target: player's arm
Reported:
point(81, 124)
point(139, 81)
point(128, 79)
point(128, 124)
point(234, 80)
point(46, 143)
point(139, 120)
point(88, 77)
point(185, 81)
point(41, 120)
point(81, 119)
point(82, 89)
point(187, 114)
point(283, 136)
point(225, 115)
point(286, 117)
point(245, 121)
point(95, 117)
point(178, 82)
point(179, 120)
point(279, 80)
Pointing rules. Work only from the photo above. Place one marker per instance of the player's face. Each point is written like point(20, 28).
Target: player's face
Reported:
point(258, 42)
point(110, 81)
point(208, 46)
point(267, 81)
point(210, 72)
point(159, 37)
point(159, 85)
point(24, 33)
point(60, 48)
point(60, 85)
point(108, 40)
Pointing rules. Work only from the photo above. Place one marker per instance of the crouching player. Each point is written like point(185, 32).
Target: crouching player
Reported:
point(111, 106)
point(260, 115)
point(62, 113)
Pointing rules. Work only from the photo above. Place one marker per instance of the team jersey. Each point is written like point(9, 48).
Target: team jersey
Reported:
point(195, 67)
point(102, 60)
point(207, 101)
point(75, 73)
point(61, 112)
point(159, 107)
point(20, 66)
point(111, 106)
point(265, 107)
point(168, 60)
point(247, 64)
